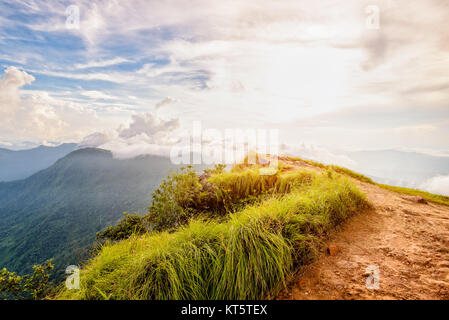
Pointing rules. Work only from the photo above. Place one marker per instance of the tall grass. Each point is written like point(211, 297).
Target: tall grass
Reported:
point(236, 186)
point(249, 256)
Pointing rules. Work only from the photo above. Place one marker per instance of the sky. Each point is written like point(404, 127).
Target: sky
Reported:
point(335, 74)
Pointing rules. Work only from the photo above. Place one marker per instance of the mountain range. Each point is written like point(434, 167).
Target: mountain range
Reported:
point(16, 165)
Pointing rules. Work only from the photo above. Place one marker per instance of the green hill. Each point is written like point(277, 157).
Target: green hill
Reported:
point(56, 212)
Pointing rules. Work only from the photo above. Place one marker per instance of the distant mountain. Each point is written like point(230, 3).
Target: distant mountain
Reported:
point(15, 165)
point(4, 151)
point(57, 211)
point(397, 167)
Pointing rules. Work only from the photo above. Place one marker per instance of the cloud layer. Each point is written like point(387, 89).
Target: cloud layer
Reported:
point(317, 71)
point(438, 185)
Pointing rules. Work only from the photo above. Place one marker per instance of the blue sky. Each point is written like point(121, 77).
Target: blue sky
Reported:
point(320, 73)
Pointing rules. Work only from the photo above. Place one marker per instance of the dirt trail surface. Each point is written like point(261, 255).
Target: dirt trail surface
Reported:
point(407, 241)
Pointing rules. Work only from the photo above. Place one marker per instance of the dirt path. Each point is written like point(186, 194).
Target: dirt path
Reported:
point(407, 241)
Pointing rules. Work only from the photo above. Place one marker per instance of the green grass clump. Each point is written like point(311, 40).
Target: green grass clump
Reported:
point(249, 256)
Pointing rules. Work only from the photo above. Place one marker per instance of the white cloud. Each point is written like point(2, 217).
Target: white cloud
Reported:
point(146, 134)
point(416, 130)
point(12, 81)
point(438, 185)
point(24, 117)
point(94, 94)
point(134, 146)
point(157, 129)
point(97, 139)
point(101, 63)
point(6, 144)
point(165, 102)
point(37, 115)
point(113, 76)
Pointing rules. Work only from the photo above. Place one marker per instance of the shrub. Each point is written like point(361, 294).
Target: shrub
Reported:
point(130, 224)
point(34, 286)
point(175, 199)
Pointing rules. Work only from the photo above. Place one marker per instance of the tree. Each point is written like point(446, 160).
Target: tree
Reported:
point(33, 286)
point(130, 224)
point(175, 199)
point(180, 196)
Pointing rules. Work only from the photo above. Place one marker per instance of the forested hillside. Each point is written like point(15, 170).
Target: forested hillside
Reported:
point(57, 212)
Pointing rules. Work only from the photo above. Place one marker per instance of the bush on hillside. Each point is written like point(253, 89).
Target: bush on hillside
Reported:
point(175, 200)
point(34, 286)
point(130, 224)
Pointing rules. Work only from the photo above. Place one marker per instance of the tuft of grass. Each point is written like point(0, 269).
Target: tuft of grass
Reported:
point(249, 256)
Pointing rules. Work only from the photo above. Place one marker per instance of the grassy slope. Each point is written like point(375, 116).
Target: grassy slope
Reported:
point(435, 198)
point(249, 256)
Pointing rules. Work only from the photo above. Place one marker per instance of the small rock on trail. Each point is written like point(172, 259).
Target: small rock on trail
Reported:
point(416, 199)
point(332, 250)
